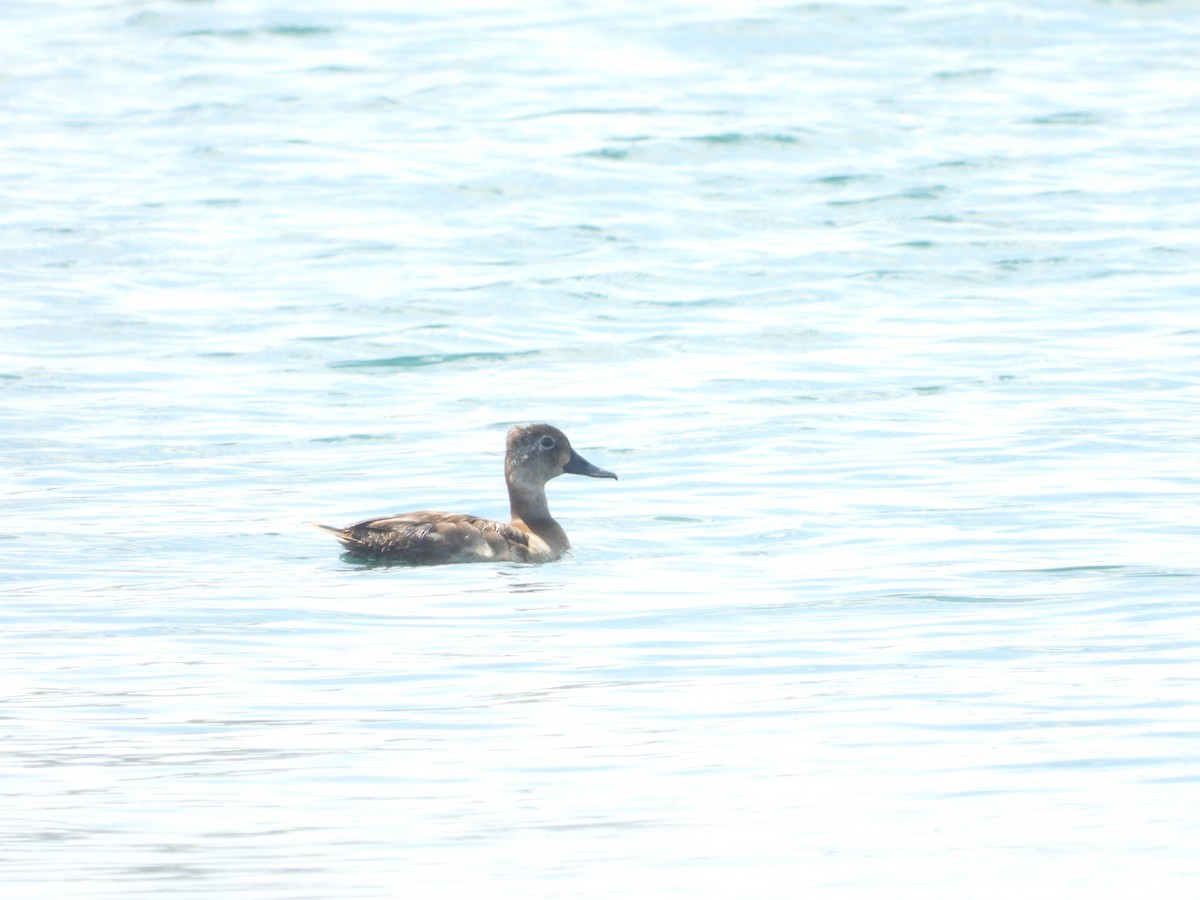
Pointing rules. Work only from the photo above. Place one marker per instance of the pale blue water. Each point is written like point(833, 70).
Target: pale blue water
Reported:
point(886, 315)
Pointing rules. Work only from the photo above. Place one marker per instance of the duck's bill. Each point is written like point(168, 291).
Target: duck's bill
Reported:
point(577, 465)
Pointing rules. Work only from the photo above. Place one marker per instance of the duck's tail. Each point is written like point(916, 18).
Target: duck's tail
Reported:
point(342, 533)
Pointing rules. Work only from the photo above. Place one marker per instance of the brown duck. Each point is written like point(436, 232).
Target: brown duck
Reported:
point(536, 453)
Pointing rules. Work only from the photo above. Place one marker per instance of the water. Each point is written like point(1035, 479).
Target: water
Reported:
point(884, 313)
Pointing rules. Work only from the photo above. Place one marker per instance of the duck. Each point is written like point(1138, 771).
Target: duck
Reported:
point(534, 454)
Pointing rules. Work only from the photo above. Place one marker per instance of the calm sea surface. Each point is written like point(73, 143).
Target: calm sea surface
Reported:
point(886, 314)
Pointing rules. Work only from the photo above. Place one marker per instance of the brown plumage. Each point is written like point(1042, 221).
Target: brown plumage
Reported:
point(535, 454)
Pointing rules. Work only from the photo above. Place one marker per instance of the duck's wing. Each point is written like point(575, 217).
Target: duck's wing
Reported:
point(428, 538)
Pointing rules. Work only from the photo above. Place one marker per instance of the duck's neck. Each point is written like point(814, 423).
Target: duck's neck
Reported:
point(530, 512)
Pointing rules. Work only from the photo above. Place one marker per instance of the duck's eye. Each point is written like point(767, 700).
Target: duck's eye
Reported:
point(547, 442)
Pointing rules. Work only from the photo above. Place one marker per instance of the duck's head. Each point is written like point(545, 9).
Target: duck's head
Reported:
point(537, 453)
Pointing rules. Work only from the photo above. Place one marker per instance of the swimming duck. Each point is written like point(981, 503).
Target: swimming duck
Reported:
point(535, 454)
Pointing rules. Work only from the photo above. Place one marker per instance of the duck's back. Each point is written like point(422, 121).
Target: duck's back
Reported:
point(428, 538)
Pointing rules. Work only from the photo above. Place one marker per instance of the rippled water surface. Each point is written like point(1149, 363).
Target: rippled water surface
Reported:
point(885, 314)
